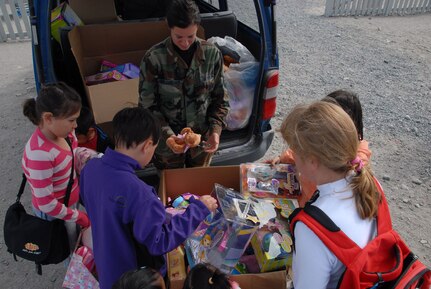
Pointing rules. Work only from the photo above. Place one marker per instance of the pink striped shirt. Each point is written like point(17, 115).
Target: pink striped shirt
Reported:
point(47, 168)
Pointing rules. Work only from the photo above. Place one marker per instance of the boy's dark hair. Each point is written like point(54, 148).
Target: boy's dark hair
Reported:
point(350, 103)
point(206, 276)
point(183, 13)
point(134, 125)
point(144, 278)
point(85, 121)
point(57, 98)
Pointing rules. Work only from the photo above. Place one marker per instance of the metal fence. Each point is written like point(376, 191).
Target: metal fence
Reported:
point(14, 20)
point(376, 7)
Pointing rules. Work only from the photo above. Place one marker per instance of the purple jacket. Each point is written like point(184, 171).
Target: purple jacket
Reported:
point(115, 198)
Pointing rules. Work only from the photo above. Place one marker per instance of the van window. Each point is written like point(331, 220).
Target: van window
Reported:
point(245, 12)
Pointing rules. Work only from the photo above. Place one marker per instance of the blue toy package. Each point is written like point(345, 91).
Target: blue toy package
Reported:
point(222, 238)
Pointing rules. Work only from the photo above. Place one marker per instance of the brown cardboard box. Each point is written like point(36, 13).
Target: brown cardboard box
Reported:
point(94, 11)
point(118, 43)
point(200, 181)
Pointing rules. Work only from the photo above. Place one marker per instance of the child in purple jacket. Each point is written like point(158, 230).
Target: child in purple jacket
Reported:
point(128, 219)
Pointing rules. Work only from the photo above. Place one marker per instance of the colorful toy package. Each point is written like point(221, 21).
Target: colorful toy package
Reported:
point(103, 77)
point(272, 246)
point(127, 69)
point(269, 181)
point(222, 238)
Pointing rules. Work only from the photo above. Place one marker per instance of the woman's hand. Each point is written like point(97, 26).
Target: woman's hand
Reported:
point(212, 143)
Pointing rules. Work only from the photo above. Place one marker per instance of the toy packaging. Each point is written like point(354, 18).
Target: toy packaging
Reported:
point(128, 69)
point(272, 246)
point(269, 181)
point(106, 65)
point(63, 16)
point(222, 238)
point(178, 205)
point(176, 264)
point(103, 77)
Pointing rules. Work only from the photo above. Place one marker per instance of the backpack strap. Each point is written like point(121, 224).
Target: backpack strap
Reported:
point(331, 235)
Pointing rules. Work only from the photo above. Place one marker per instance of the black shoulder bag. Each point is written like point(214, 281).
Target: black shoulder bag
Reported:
point(35, 239)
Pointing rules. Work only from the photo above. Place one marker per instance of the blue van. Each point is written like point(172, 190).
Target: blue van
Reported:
point(250, 22)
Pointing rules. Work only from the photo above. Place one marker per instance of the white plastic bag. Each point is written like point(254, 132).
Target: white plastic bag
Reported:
point(240, 81)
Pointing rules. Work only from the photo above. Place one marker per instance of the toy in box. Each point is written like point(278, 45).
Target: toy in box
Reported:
point(286, 206)
point(128, 69)
point(272, 245)
point(222, 238)
point(63, 16)
point(103, 77)
point(269, 181)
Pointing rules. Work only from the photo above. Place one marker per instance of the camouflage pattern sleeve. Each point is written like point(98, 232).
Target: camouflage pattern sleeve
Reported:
point(148, 95)
point(219, 106)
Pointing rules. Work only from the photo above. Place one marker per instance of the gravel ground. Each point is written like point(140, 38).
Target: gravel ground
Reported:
point(387, 61)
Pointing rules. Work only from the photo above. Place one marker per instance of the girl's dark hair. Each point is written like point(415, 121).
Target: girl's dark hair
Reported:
point(206, 276)
point(144, 278)
point(57, 98)
point(134, 125)
point(183, 13)
point(85, 121)
point(350, 103)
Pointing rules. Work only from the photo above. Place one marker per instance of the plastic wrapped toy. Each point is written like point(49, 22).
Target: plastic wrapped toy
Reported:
point(222, 238)
point(269, 181)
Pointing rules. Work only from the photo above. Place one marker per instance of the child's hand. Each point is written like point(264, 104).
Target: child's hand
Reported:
point(209, 202)
point(273, 161)
point(83, 220)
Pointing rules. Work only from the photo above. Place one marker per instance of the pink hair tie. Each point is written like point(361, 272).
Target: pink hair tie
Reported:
point(359, 164)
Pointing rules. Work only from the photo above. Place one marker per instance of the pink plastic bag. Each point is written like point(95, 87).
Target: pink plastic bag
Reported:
point(78, 276)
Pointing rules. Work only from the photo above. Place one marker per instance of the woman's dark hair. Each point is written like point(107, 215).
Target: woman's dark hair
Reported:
point(144, 278)
point(57, 98)
point(134, 125)
point(206, 276)
point(350, 103)
point(183, 13)
point(85, 121)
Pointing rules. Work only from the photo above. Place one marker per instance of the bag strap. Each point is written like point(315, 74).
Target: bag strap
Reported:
point(331, 235)
point(70, 183)
point(21, 188)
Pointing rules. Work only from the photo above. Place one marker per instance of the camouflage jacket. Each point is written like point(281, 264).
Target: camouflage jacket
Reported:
point(182, 96)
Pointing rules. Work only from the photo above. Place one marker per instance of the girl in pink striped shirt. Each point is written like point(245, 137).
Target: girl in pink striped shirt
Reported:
point(47, 158)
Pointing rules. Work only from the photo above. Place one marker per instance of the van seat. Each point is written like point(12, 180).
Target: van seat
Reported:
point(221, 24)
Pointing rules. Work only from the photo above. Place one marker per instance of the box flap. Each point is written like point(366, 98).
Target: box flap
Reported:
point(108, 98)
point(273, 280)
point(94, 11)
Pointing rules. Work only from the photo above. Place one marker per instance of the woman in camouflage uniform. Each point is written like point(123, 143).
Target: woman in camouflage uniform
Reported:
point(181, 82)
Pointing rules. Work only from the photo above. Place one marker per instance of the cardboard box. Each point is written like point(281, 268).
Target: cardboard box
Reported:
point(200, 181)
point(62, 16)
point(120, 42)
point(270, 280)
point(95, 11)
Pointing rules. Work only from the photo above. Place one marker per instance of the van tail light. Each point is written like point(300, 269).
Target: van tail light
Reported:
point(270, 95)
